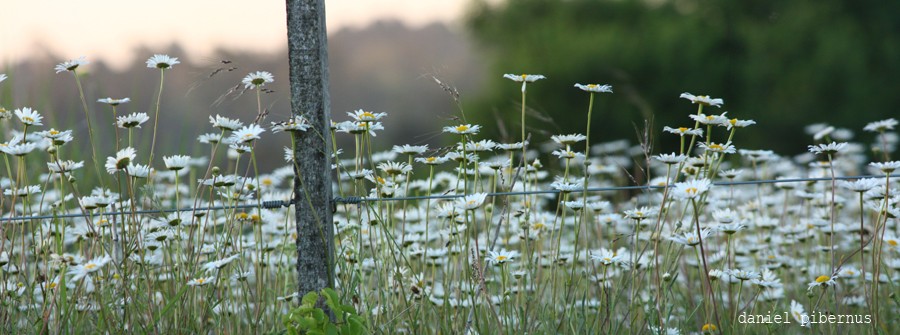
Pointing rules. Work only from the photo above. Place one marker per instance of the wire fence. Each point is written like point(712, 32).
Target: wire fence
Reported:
point(358, 200)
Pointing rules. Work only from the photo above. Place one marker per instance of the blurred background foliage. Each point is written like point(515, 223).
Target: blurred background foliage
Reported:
point(784, 64)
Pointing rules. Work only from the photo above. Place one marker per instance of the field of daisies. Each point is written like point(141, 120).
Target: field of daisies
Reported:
point(555, 235)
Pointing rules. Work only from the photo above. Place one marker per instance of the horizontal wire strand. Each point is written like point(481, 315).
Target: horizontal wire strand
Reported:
point(358, 200)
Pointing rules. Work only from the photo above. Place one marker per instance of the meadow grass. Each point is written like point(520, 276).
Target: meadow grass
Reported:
point(478, 237)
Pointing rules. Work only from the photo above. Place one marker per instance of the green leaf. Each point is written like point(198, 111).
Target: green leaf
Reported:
point(307, 323)
point(319, 315)
point(310, 299)
point(356, 326)
point(331, 329)
point(348, 309)
point(331, 294)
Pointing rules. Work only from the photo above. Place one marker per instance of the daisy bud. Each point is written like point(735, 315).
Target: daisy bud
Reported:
point(215, 170)
point(51, 150)
point(72, 179)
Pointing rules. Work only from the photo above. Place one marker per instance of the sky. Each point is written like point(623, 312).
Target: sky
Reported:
point(112, 29)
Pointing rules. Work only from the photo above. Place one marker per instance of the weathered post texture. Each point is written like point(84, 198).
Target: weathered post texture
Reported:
point(307, 43)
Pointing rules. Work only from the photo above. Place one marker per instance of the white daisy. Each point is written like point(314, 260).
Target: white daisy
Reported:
point(225, 123)
point(681, 131)
point(471, 202)
point(114, 102)
point(201, 281)
point(247, 133)
point(407, 149)
point(29, 116)
point(365, 116)
point(64, 166)
point(297, 123)
point(524, 78)
point(702, 99)
point(690, 238)
point(568, 140)
point(715, 120)
point(595, 88)
point(671, 158)
point(501, 257)
point(463, 129)
point(162, 61)
point(83, 270)
point(880, 126)
point(57, 137)
point(431, 160)
point(132, 120)
point(726, 148)
point(828, 149)
point(139, 171)
point(257, 79)
point(18, 149)
point(799, 313)
point(886, 167)
point(209, 138)
point(218, 264)
point(120, 161)
point(70, 65)
point(691, 189)
point(177, 162)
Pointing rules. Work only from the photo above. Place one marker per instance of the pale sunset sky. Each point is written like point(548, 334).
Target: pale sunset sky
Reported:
point(111, 29)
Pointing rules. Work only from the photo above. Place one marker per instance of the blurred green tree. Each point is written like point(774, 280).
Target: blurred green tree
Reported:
point(785, 64)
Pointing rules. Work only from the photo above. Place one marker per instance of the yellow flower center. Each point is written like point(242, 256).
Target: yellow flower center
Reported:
point(501, 258)
point(732, 121)
point(892, 243)
point(28, 118)
point(53, 132)
point(471, 202)
point(90, 266)
point(592, 85)
point(709, 327)
point(367, 115)
point(462, 128)
point(431, 159)
point(822, 279)
point(242, 216)
point(200, 280)
point(52, 285)
point(691, 190)
point(710, 117)
point(682, 129)
point(538, 226)
point(524, 76)
point(715, 146)
point(267, 181)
